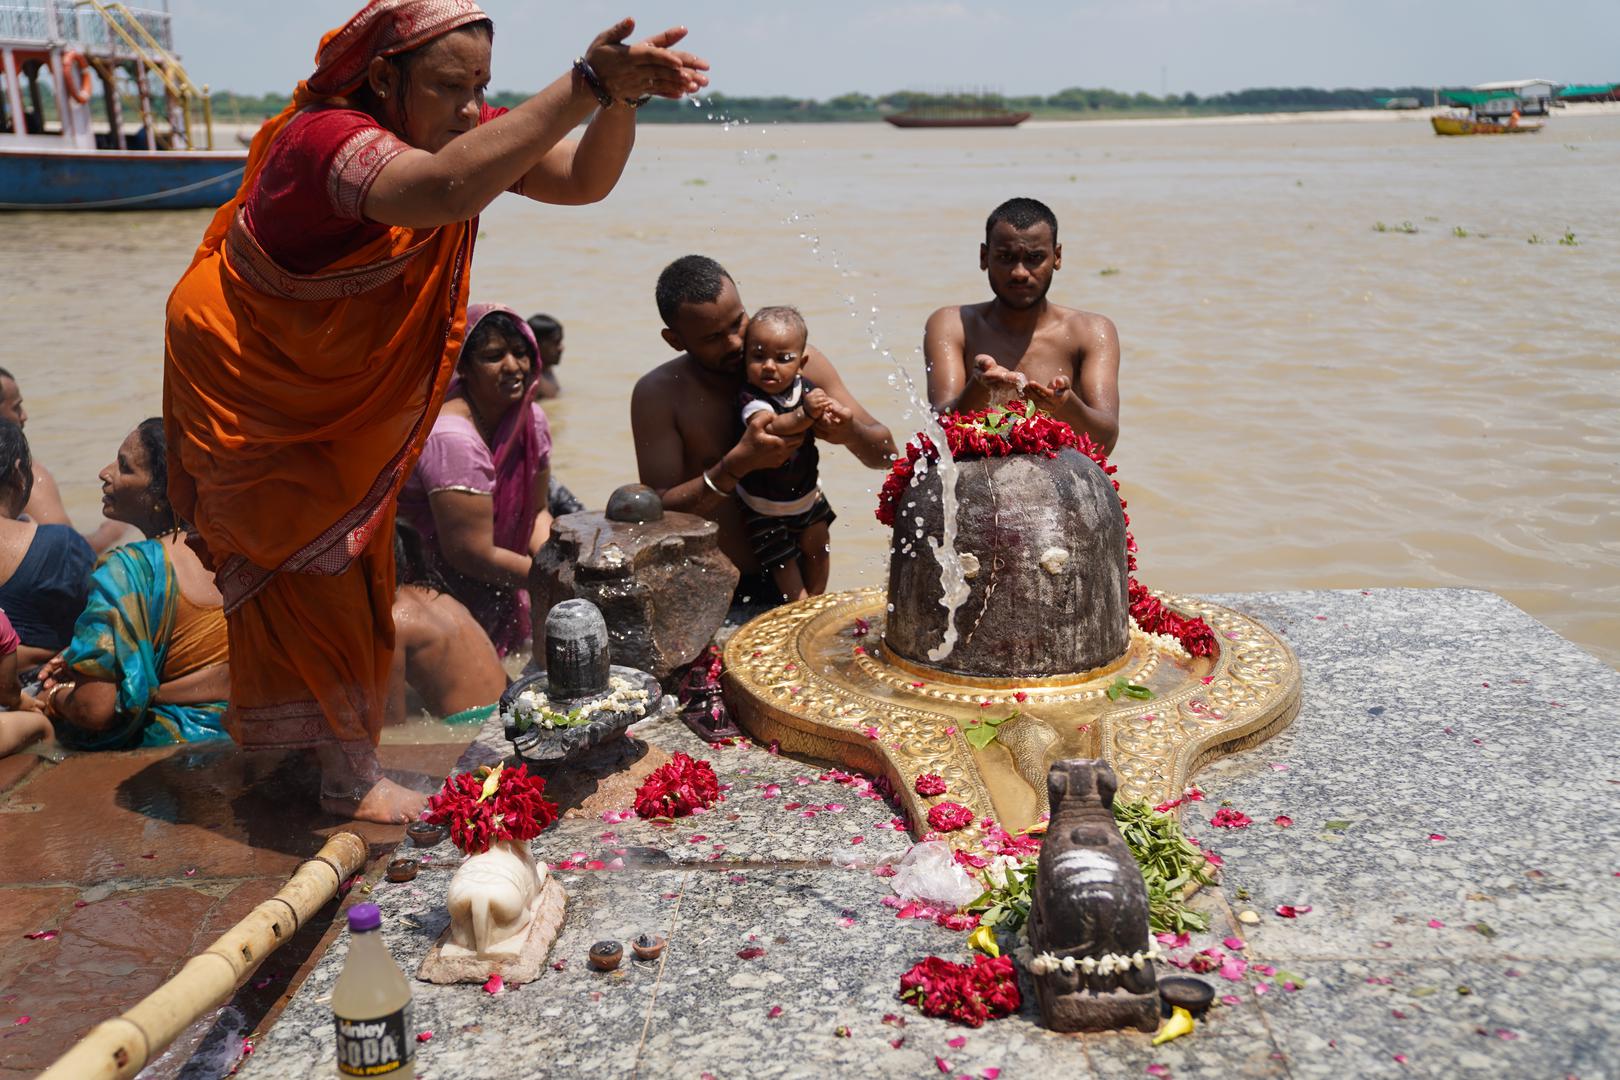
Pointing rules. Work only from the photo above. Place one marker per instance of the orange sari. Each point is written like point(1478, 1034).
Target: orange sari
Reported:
point(295, 406)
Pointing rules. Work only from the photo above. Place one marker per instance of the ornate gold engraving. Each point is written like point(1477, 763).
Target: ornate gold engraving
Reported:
point(799, 676)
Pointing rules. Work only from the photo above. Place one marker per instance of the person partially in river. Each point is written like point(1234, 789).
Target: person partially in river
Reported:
point(691, 446)
point(1019, 343)
point(310, 344)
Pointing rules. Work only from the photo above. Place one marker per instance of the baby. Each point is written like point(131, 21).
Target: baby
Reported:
point(784, 511)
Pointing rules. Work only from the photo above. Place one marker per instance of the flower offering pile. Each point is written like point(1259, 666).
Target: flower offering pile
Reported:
point(677, 789)
point(531, 708)
point(487, 805)
point(985, 989)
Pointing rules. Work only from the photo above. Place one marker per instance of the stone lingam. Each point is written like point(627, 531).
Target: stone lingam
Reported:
point(1034, 660)
point(568, 723)
point(658, 577)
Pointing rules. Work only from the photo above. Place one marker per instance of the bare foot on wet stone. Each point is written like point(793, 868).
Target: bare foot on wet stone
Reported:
point(386, 803)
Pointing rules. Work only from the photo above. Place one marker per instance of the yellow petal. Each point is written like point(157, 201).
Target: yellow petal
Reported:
point(1179, 1024)
point(492, 782)
point(984, 939)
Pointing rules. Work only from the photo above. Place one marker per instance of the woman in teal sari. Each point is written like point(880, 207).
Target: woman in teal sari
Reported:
point(148, 662)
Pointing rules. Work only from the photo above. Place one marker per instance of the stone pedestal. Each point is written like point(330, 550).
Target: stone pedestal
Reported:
point(1043, 540)
point(663, 584)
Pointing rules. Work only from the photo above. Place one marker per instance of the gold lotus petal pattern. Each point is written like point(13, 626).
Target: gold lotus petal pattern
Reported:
point(804, 676)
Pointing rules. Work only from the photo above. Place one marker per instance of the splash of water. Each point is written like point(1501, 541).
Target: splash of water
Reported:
point(954, 589)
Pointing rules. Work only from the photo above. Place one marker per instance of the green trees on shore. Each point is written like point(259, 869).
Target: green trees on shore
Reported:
point(1075, 102)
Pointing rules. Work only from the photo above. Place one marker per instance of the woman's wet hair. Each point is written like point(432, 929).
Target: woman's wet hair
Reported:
point(502, 327)
point(16, 461)
point(150, 432)
point(545, 327)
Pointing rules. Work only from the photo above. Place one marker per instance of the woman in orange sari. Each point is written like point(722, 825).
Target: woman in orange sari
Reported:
point(309, 345)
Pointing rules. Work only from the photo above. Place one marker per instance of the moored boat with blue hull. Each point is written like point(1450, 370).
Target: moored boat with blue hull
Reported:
point(62, 64)
point(117, 179)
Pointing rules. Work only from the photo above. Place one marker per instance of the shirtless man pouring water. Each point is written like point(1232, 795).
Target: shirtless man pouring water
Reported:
point(1064, 360)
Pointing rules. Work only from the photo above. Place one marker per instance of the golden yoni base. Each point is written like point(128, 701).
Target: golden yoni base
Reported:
point(803, 676)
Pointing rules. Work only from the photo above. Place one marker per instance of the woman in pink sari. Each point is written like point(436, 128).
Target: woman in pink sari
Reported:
point(479, 492)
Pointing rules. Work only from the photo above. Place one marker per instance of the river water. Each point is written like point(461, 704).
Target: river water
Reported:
point(1308, 402)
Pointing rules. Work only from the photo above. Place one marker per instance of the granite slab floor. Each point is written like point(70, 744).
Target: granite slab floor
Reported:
point(1441, 820)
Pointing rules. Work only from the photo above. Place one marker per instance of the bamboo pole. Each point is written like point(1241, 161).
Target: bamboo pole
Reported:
point(122, 1046)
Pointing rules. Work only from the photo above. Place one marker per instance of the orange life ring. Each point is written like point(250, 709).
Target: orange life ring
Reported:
point(82, 92)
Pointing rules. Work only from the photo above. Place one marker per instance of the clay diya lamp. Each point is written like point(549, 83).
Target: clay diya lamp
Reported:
point(402, 870)
point(648, 946)
point(605, 955)
point(423, 834)
point(1183, 991)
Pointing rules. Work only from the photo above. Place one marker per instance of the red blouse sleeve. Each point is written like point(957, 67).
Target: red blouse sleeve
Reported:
point(307, 207)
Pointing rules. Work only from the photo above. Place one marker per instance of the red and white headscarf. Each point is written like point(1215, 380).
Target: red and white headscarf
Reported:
point(383, 28)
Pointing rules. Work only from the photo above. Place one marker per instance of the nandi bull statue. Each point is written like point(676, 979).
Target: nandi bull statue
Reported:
point(1091, 954)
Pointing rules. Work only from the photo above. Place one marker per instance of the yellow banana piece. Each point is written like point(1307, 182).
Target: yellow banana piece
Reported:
point(983, 938)
point(1179, 1024)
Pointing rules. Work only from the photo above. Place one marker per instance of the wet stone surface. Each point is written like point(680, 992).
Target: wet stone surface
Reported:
point(765, 908)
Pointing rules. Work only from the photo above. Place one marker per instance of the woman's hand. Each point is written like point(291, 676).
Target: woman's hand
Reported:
point(629, 72)
point(54, 672)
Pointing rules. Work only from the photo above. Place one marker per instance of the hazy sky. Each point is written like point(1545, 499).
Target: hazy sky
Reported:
point(1039, 46)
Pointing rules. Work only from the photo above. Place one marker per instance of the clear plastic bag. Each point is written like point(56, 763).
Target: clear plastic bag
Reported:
point(929, 873)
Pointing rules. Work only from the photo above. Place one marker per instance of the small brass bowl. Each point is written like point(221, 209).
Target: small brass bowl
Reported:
point(423, 834)
point(648, 946)
point(1194, 995)
point(605, 955)
point(402, 870)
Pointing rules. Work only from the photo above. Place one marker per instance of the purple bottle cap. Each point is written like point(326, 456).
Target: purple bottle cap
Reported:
point(363, 917)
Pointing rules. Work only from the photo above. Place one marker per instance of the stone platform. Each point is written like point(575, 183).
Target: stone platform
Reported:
point(1451, 778)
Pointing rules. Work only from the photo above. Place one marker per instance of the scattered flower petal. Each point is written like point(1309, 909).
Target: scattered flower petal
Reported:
point(495, 985)
point(752, 952)
point(775, 1011)
point(424, 1036)
point(1282, 821)
point(1436, 924)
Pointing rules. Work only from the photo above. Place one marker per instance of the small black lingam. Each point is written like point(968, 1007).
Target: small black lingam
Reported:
point(658, 576)
point(582, 700)
point(1091, 952)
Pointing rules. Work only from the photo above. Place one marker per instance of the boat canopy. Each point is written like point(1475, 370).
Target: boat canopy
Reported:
point(1473, 98)
point(1595, 90)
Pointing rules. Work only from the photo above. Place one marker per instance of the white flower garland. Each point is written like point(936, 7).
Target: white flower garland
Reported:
point(1107, 964)
point(533, 708)
point(1161, 642)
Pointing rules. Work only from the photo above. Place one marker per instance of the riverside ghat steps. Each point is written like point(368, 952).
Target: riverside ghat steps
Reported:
point(1451, 861)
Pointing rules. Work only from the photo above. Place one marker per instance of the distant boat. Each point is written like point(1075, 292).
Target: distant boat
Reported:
point(947, 118)
point(67, 162)
point(1464, 125)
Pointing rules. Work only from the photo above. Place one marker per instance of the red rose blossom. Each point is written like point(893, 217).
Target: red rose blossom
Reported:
point(929, 785)
point(515, 810)
point(968, 993)
point(1228, 818)
point(949, 816)
point(677, 788)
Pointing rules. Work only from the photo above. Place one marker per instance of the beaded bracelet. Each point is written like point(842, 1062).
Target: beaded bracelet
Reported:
point(583, 69)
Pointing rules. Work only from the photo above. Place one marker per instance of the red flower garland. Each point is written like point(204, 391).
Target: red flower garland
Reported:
point(949, 816)
point(968, 993)
point(677, 788)
point(513, 809)
point(1018, 428)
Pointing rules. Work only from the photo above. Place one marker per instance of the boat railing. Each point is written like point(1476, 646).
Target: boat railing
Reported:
point(127, 26)
point(69, 22)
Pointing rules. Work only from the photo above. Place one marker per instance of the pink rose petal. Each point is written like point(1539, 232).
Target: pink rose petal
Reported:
point(495, 985)
point(957, 1043)
point(775, 1011)
point(21, 1020)
point(424, 1036)
point(1235, 943)
point(41, 935)
point(1157, 1069)
point(1437, 836)
point(1436, 924)
point(1282, 821)
point(1231, 999)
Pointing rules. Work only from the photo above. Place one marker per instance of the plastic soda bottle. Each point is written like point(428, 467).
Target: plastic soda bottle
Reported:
point(372, 1005)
